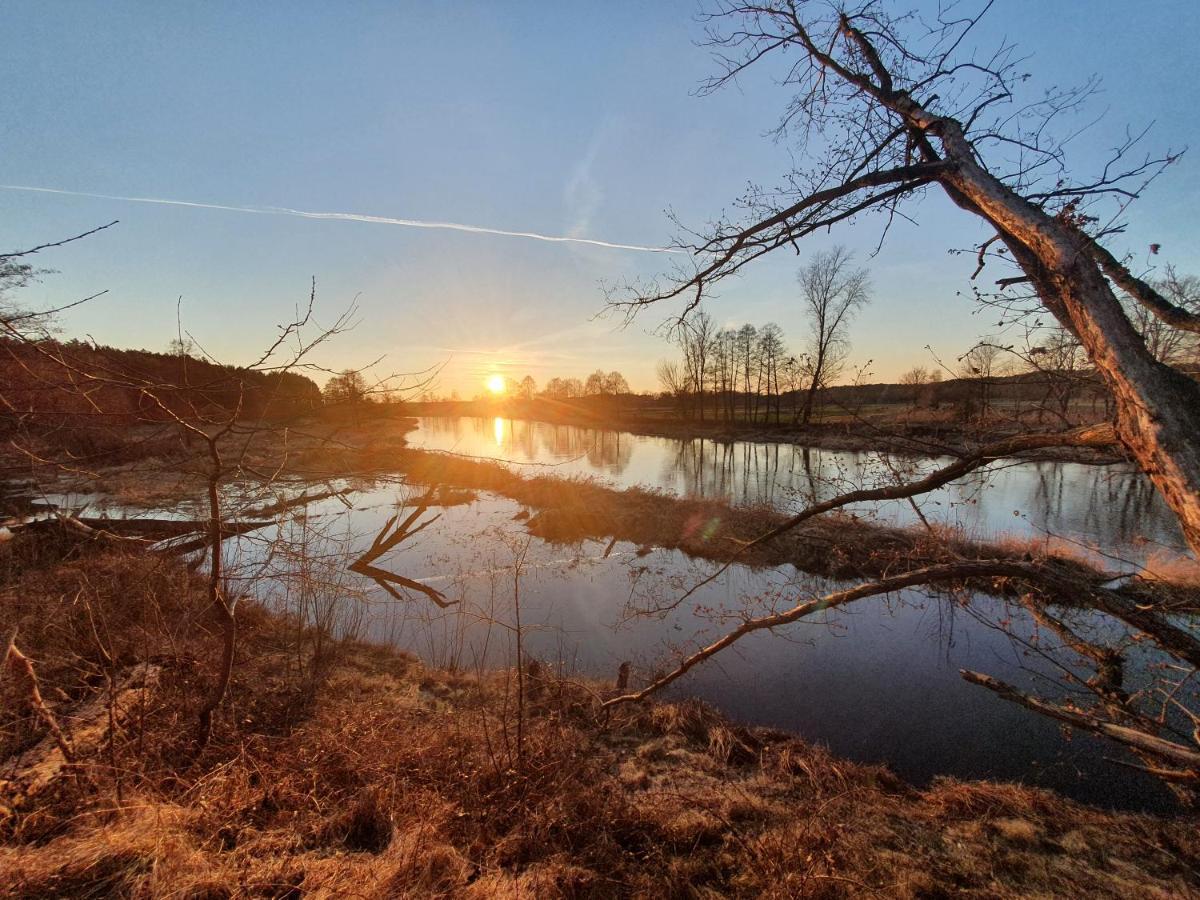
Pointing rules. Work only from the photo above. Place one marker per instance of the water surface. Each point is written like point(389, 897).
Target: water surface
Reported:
point(1110, 511)
point(877, 682)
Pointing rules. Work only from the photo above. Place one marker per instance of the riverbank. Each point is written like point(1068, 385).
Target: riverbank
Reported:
point(900, 430)
point(567, 510)
point(386, 778)
point(835, 545)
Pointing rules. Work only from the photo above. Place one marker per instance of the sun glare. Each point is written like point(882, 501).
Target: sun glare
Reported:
point(495, 384)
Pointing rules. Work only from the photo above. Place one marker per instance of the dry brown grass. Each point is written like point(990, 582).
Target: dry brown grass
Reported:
point(91, 612)
point(398, 781)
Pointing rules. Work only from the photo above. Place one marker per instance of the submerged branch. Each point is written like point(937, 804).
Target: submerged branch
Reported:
point(951, 572)
point(1129, 737)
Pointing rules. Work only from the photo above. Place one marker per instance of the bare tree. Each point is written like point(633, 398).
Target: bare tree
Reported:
point(594, 386)
point(695, 335)
point(1063, 366)
point(673, 382)
point(904, 106)
point(615, 384)
point(725, 370)
point(605, 384)
point(916, 378)
point(771, 352)
point(832, 292)
point(347, 388)
point(747, 345)
point(527, 388)
point(980, 365)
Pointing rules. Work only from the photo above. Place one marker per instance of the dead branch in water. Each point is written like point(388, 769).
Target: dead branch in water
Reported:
point(1130, 737)
point(1088, 436)
point(391, 535)
point(1177, 641)
point(930, 575)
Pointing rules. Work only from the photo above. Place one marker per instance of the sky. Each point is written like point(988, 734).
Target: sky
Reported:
point(571, 119)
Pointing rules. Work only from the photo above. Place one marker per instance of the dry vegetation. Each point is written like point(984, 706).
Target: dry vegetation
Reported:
point(394, 780)
point(835, 545)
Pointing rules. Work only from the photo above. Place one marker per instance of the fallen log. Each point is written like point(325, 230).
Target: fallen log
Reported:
point(28, 774)
point(166, 535)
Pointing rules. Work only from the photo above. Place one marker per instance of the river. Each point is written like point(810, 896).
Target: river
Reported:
point(875, 682)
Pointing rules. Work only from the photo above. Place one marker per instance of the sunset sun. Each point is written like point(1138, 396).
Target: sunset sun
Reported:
point(495, 384)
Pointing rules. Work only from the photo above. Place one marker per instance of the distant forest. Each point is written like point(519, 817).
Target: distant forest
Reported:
point(81, 396)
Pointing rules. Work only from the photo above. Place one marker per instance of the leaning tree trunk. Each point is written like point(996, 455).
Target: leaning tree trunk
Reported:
point(1158, 408)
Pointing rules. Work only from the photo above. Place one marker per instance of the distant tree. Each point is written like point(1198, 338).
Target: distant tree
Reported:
point(345, 389)
point(527, 388)
point(1063, 363)
point(725, 369)
point(794, 374)
point(933, 392)
point(747, 345)
point(695, 336)
point(1170, 345)
point(771, 352)
point(181, 346)
point(615, 383)
point(916, 378)
point(601, 383)
point(673, 382)
point(832, 291)
point(981, 364)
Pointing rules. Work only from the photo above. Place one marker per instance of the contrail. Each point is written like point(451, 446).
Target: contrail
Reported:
point(347, 217)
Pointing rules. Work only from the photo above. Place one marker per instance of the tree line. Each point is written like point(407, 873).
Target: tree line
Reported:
point(598, 384)
point(746, 372)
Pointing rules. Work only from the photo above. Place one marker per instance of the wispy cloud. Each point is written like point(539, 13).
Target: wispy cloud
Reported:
point(349, 217)
point(582, 193)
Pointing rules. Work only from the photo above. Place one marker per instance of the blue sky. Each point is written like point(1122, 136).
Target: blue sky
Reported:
point(564, 119)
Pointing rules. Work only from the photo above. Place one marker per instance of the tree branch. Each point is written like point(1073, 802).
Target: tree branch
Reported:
point(1143, 293)
point(1130, 737)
